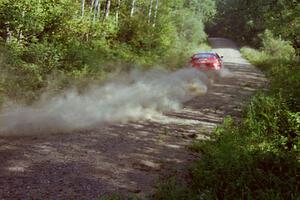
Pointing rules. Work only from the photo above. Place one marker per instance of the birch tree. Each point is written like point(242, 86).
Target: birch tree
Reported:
point(132, 8)
point(150, 11)
point(96, 10)
point(155, 13)
point(20, 31)
point(82, 7)
point(118, 10)
point(8, 32)
point(92, 6)
point(107, 8)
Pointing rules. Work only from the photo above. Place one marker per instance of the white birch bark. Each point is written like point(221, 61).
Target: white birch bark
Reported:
point(107, 8)
point(118, 10)
point(95, 7)
point(155, 13)
point(98, 8)
point(150, 11)
point(82, 8)
point(132, 8)
point(20, 32)
point(8, 32)
point(92, 6)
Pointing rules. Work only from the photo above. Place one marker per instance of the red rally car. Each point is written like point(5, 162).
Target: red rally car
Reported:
point(207, 61)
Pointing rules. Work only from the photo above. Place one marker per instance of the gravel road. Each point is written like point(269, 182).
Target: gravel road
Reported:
point(126, 159)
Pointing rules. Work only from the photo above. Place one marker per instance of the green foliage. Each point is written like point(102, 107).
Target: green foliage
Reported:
point(257, 158)
point(44, 38)
point(245, 20)
point(276, 47)
point(204, 8)
point(277, 57)
point(255, 56)
point(285, 80)
point(269, 117)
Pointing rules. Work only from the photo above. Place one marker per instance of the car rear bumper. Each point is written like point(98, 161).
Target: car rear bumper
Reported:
point(207, 67)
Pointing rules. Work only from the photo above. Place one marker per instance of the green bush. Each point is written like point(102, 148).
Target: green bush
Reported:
point(269, 118)
point(273, 51)
point(276, 47)
point(278, 59)
point(255, 56)
point(284, 78)
point(257, 158)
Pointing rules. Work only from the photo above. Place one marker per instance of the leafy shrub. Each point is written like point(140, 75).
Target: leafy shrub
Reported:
point(268, 117)
point(274, 51)
point(257, 158)
point(284, 78)
point(276, 47)
point(255, 56)
point(278, 59)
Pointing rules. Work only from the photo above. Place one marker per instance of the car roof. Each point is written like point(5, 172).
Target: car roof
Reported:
point(205, 52)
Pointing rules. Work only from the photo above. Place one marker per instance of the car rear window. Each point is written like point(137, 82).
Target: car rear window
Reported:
point(204, 55)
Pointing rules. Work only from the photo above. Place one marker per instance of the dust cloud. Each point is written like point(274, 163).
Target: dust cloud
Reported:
point(128, 97)
point(224, 72)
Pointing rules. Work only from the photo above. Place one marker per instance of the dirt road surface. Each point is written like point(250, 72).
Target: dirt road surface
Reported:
point(125, 159)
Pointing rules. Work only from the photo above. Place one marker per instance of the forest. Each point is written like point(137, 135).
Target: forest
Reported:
point(246, 20)
point(75, 40)
point(51, 45)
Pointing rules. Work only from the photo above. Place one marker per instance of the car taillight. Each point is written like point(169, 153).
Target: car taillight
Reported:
point(217, 65)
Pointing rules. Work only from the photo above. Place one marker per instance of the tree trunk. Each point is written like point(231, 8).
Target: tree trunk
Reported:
point(150, 11)
point(82, 8)
point(96, 11)
point(155, 13)
point(132, 8)
point(98, 8)
point(20, 31)
point(8, 32)
point(92, 6)
point(107, 8)
point(118, 10)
